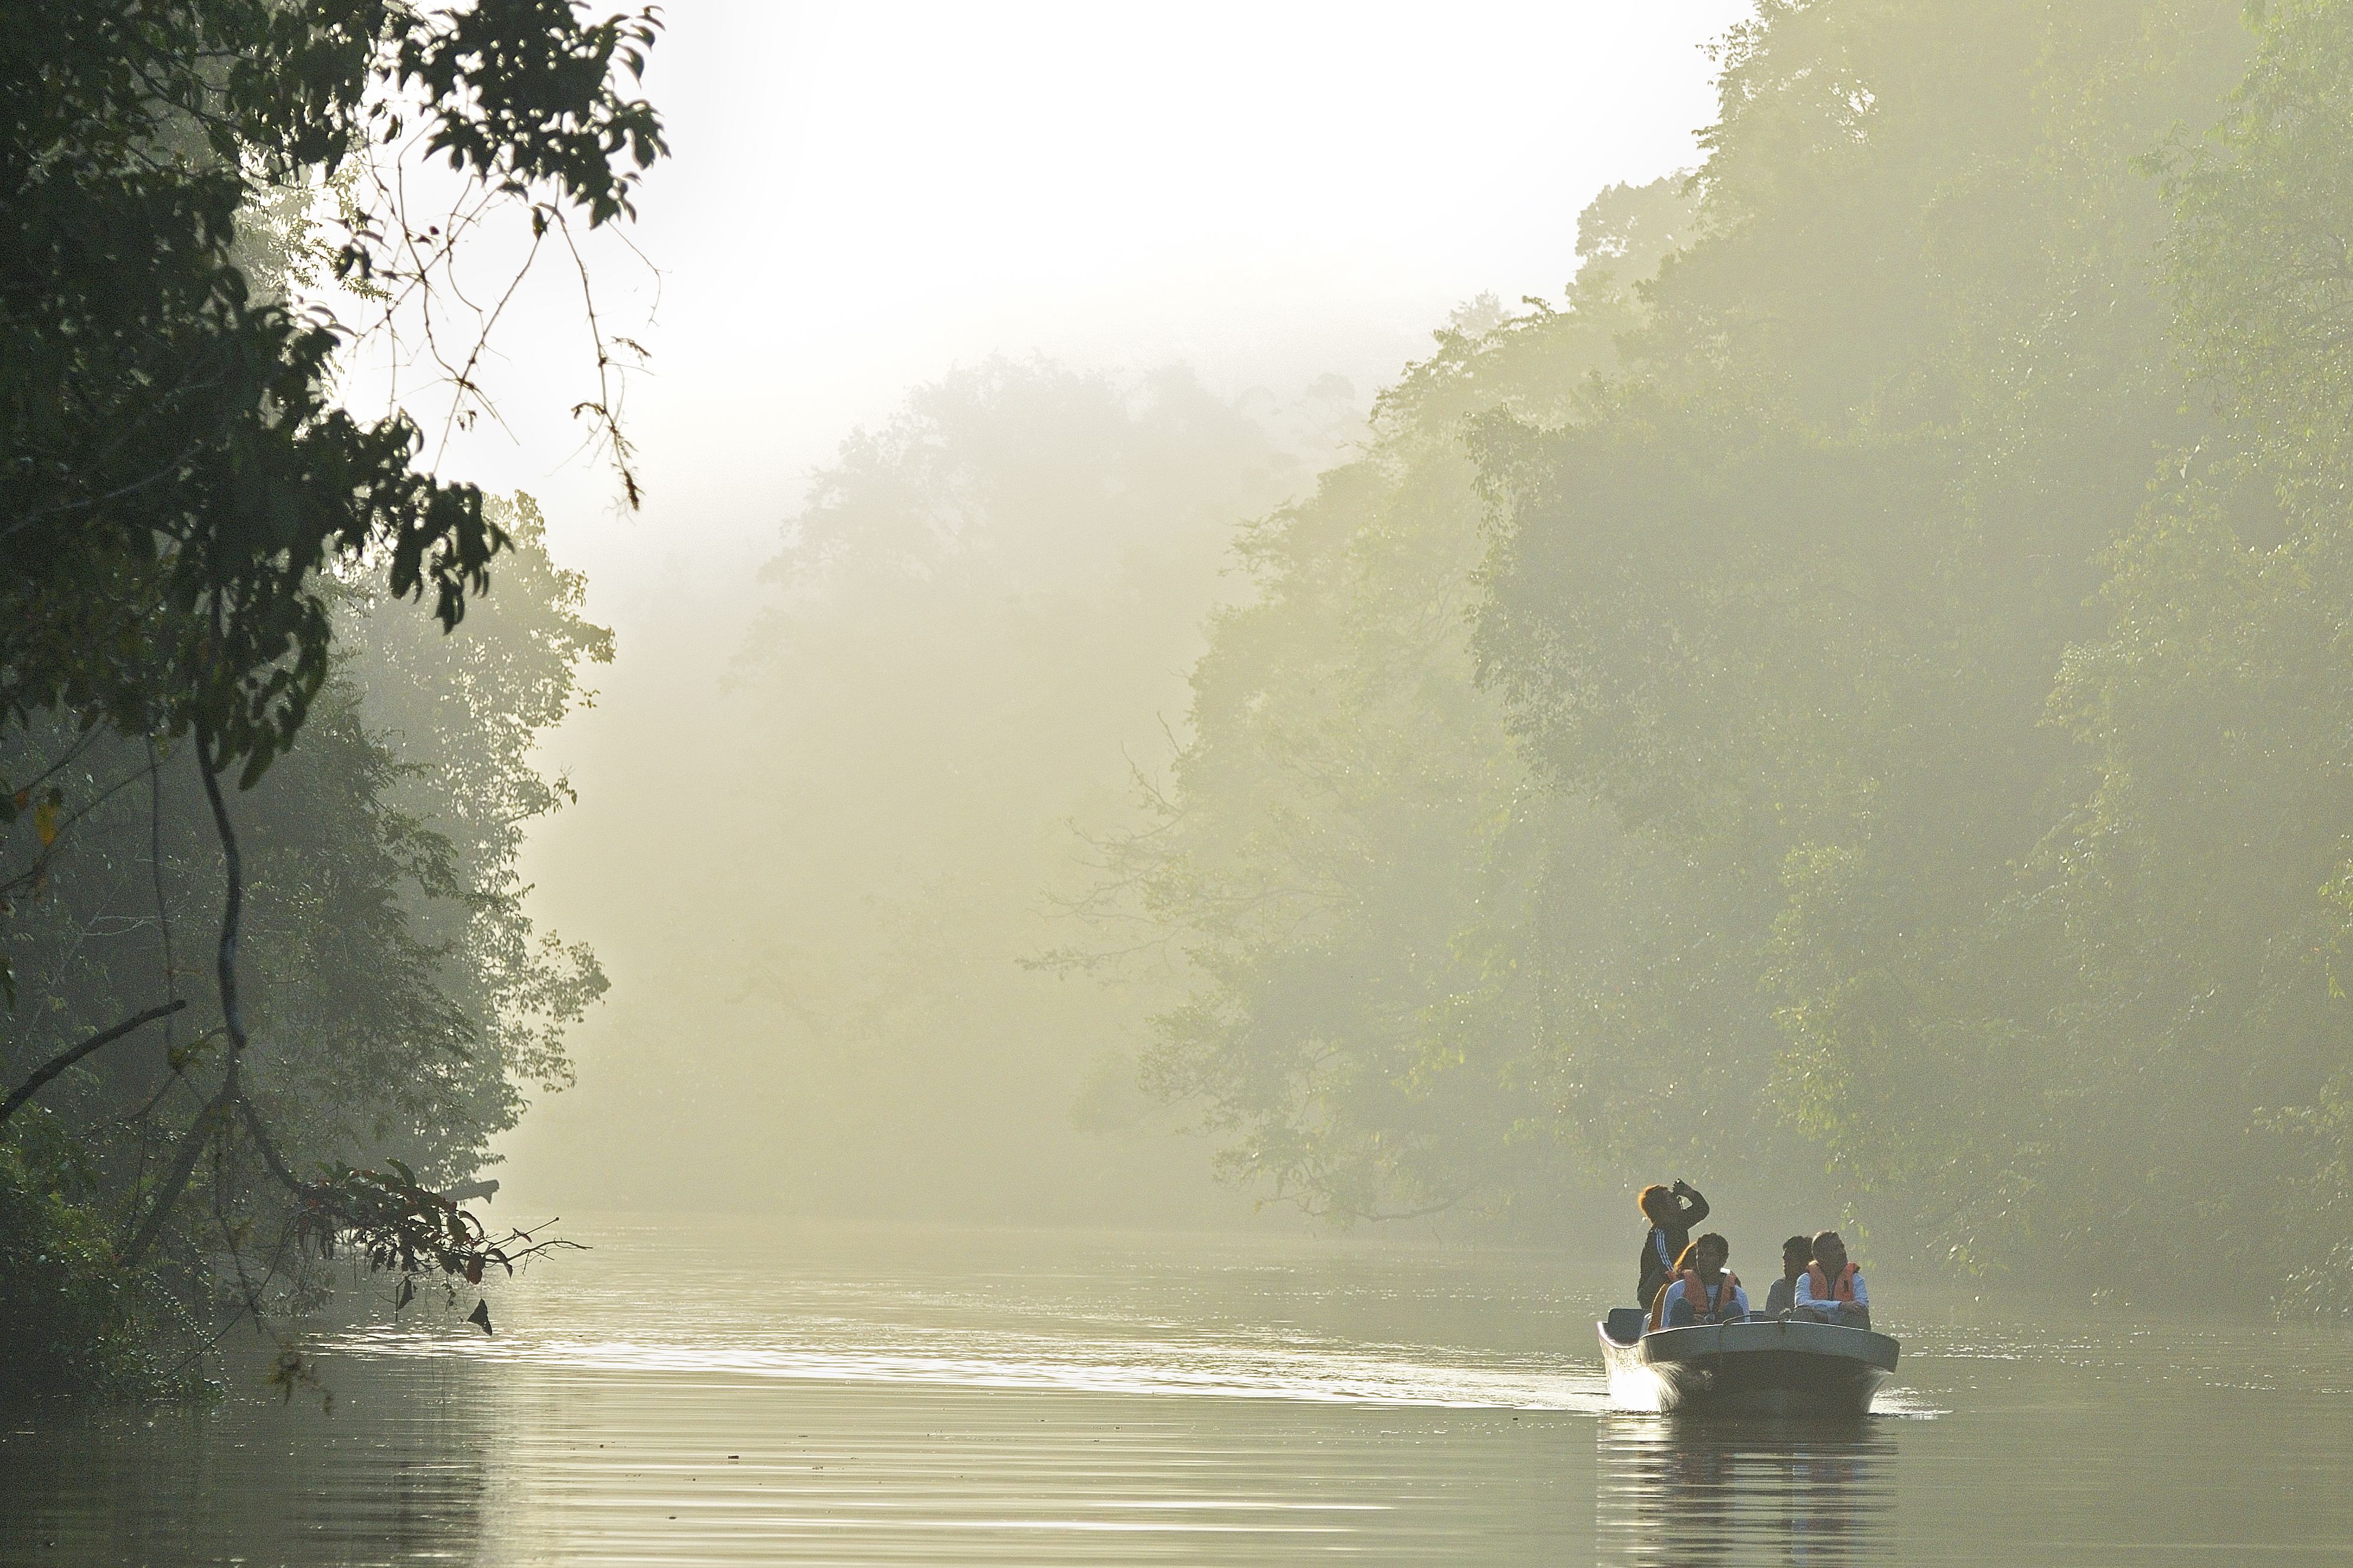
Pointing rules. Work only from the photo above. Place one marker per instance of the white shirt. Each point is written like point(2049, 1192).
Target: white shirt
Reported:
point(1806, 1293)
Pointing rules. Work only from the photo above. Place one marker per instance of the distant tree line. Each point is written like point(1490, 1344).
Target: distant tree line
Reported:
point(1866, 686)
point(983, 607)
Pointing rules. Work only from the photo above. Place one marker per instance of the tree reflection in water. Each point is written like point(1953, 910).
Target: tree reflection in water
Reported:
point(1680, 1490)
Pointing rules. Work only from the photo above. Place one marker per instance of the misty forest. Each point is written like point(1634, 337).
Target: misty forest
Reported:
point(1849, 699)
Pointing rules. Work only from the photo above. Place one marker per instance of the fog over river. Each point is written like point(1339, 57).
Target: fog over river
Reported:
point(698, 1392)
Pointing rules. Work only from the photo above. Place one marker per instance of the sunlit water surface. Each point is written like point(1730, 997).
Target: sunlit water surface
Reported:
point(691, 1393)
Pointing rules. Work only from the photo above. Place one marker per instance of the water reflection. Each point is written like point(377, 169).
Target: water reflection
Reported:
point(686, 1397)
point(518, 1466)
point(380, 1481)
point(1685, 1492)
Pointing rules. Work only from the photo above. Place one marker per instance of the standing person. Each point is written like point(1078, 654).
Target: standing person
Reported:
point(1831, 1289)
point(1703, 1290)
point(1671, 1211)
point(1796, 1256)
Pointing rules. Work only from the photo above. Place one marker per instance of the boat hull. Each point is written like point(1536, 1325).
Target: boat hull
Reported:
point(1757, 1368)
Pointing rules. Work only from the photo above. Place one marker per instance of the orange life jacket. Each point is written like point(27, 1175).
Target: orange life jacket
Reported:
point(1842, 1290)
point(1695, 1292)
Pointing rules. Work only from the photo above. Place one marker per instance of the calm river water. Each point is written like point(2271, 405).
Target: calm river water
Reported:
point(682, 1395)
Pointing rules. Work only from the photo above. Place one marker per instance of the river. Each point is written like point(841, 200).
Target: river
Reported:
point(703, 1393)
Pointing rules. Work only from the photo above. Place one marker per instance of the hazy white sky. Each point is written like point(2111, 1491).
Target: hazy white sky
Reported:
point(865, 196)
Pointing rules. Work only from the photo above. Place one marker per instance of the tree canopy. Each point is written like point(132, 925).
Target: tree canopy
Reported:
point(1880, 712)
point(207, 202)
point(181, 474)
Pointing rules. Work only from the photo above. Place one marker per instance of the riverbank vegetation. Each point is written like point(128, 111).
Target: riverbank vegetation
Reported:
point(269, 984)
point(1859, 689)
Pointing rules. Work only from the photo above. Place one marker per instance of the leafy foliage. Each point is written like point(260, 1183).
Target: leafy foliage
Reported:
point(179, 472)
point(72, 1320)
point(358, 861)
point(1892, 720)
point(192, 528)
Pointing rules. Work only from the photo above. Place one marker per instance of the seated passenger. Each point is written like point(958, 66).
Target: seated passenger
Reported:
point(1797, 1253)
point(1831, 1289)
point(1702, 1289)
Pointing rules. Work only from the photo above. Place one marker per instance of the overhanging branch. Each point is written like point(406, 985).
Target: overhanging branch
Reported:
point(64, 1059)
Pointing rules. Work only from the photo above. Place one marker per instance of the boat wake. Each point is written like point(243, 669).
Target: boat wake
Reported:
point(1322, 1373)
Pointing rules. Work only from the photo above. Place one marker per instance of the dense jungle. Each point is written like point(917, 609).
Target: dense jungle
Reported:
point(1851, 694)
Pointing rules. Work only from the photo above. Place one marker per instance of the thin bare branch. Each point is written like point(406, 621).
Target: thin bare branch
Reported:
point(66, 1059)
